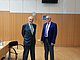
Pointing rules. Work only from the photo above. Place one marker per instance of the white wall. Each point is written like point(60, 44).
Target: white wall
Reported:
point(4, 5)
point(16, 5)
point(29, 6)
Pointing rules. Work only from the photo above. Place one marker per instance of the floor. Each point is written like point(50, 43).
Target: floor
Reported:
point(61, 53)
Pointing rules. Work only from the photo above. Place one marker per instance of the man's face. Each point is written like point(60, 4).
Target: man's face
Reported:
point(48, 18)
point(30, 20)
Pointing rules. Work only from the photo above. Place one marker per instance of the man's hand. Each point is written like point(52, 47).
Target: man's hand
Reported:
point(52, 44)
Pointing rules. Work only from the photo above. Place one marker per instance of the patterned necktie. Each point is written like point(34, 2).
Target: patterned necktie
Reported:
point(47, 25)
point(31, 28)
point(46, 30)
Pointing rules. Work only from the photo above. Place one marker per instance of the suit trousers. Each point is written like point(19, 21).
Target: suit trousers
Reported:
point(47, 48)
point(26, 52)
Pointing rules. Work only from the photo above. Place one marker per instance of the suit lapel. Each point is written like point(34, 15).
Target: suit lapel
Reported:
point(33, 26)
point(50, 26)
point(29, 28)
point(45, 26)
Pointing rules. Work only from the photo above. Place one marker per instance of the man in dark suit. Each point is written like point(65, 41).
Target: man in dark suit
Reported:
point(48, 37)
point(28, 33)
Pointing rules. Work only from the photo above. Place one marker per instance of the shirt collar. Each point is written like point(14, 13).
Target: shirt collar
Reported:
point(49, 22)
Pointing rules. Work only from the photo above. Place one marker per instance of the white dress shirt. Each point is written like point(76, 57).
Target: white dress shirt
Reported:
point(47, 29)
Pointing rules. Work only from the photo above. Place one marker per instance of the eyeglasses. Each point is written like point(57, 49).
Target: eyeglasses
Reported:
point(30, 19)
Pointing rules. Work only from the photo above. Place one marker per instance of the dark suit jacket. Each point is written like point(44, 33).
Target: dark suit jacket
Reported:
point(51, 33)
point(27, 35)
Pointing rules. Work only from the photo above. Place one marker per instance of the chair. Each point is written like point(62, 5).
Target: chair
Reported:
point(3, 58)
point(11, 47)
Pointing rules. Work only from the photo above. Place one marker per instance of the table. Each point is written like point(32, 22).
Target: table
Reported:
point(4, 49)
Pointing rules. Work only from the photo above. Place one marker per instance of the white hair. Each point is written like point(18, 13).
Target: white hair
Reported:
point(30, 17)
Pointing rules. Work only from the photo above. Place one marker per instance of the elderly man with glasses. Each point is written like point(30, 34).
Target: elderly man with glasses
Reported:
point(48, 37)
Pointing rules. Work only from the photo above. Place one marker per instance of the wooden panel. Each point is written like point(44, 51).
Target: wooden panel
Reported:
point(4, 26)
point(58, 19)
point(68, 27)
point(67, 30)
point(77, 31)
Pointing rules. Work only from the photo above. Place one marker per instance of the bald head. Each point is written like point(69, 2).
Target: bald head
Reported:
point(30, 19)
point(48, 18)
